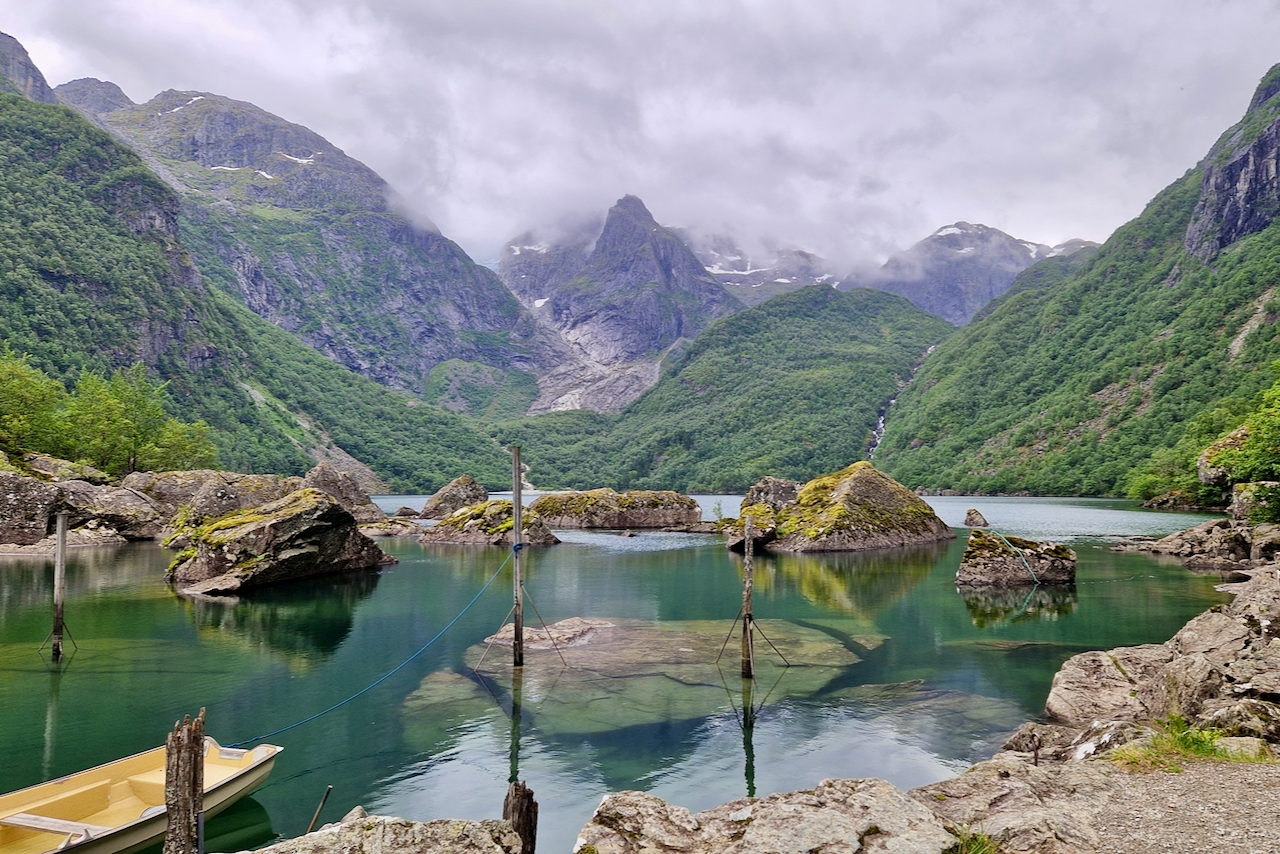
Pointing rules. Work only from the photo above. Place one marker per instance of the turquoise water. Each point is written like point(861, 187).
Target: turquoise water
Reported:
point(909, 682)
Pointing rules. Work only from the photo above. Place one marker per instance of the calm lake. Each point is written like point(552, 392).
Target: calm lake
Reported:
point(895, 674)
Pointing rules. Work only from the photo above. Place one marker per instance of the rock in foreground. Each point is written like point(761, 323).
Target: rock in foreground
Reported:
point(837, 816)
point(304, 534)
point(359, 833)
point(991, 560)
point(489, 524)
point(605, 508)
point(453, 496)
point(854, 509)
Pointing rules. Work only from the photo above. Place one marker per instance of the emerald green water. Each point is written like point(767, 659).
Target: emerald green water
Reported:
point(914, 684)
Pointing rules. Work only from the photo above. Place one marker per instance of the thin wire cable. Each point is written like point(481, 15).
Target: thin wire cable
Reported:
point(390, 673)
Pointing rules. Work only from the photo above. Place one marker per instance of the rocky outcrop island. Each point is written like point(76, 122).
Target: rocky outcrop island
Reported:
point(853, 509)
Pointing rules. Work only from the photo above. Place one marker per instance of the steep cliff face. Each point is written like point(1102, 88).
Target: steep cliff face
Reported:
point(1240, 192)
point(958, 269)
point(21, 73)
point(304, 236)
point(621, 298)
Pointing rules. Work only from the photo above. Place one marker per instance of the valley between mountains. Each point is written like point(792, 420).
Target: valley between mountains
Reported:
point(274, 290)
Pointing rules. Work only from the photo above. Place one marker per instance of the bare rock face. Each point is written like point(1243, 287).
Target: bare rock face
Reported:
point(346, 489)
point(605, 508)
point(304, 534)
point(1099, 685)
point(837, 816)
point(489, 524)
point(458, 493)
point(1219, 539)
point(359, 833)
point(995, 561)
point(1240, 191)
point(856, 508)
point(27, 509)
point(1247, 498)
point(974, 519)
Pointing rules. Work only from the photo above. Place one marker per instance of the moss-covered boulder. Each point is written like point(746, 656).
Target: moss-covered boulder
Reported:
point(991, 560)
point(853, 509)
point(605, 508)
point(306, 533)
point(346, 488)
point(489, 524)
point(453, 496)
point(208, 494)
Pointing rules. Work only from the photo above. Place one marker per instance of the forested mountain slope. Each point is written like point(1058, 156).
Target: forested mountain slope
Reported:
point(93, 276)
point(304, 236)
point(1070, 388)
point(791, 388)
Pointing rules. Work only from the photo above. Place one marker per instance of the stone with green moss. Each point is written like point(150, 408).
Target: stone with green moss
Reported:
point(853, 509)
point(489, 523)
point(992, 560)
point(606, 508)
point(304, 534)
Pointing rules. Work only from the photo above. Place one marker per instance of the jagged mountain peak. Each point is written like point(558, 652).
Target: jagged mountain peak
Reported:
point(21, 73)
point(755, 277)
point(92, 96)
point(1267, 89)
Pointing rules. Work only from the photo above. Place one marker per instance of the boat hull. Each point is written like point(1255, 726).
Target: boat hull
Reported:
point(41, 818)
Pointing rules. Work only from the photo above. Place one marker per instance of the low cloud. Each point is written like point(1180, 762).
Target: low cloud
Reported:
point(849, 128)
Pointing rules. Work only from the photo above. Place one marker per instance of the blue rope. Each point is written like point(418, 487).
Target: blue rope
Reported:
point(1021, 557)
point(400, 667)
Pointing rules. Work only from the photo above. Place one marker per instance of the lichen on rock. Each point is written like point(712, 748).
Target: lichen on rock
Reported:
point(489, 523)
point(993, 560)
point(606, 508)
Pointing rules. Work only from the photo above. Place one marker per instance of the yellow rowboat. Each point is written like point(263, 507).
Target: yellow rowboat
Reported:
point(119, 807)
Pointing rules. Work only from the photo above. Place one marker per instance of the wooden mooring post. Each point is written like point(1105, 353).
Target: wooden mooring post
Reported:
point(517, 544)
point(59, 585)
point(521, 810)
point(184, 787)
point(748, 588)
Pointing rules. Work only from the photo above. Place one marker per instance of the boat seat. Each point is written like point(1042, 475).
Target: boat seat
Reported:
point(27, 821)
point(149, 786)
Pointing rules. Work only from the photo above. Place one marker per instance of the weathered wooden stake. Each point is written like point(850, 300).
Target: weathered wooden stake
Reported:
point(59, 585)
point(184, 787)
point(748, 587)
point(513, 751)
point(517, 543)
point(521, 810)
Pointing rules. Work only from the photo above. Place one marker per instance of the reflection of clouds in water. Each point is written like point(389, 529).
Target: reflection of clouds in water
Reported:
point(1063, 519)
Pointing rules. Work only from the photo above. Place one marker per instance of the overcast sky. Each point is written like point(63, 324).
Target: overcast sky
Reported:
point(850, 127)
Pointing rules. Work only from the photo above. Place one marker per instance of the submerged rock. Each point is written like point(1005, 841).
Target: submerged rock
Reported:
point(453, 496)
point(837, 816)
point(489, 524)
point(605, 508)
point(304, 534)
point(857, 508)
point(991, 560)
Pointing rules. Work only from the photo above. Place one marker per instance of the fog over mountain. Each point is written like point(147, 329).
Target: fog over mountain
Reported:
point(846, 129)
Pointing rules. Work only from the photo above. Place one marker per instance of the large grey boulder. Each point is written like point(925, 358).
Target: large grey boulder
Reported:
point(605, 508)
point(359, 833)
point(489, 524)
point(1113, 685)
point(974, 519)
point(134, 515)
point(208, 494)
point(27, 509)
point(991, 560)
point(837, 816)
point(347, 490)
point(1046, 809)
point(856, 508)
point(460, 492)
point(304, 534)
